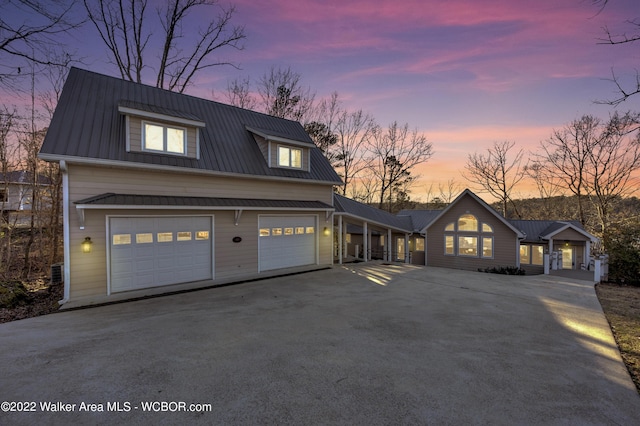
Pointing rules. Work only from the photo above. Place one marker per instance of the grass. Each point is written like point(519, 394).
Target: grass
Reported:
point(621, 306)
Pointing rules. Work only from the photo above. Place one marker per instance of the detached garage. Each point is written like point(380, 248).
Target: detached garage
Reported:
point(157, 251)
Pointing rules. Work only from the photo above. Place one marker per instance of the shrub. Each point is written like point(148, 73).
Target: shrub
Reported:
point(623, 246)
point(12, 293)
point(504, 270)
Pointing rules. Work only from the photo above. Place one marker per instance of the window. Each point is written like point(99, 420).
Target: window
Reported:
point(448, 244)
point(3, 196)
point(419, 244)
point(310, 229)
point(276, 231)
point(184, 236)
point(161, 138)
point(299, 230)
point(289, 157)
point(467, 246)
point(165, 237)
point(487, 247)
point(468, 222)
point(288, 231)
point(450, 227)
point(202, 235)
point(265, 232)
point(121, 239)
point(144, 238)
point(486, 228)
point(524, 255)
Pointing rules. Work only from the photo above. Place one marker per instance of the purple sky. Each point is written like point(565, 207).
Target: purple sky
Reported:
point(465, 73)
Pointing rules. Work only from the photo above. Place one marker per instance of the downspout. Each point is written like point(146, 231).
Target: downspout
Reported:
point(65, 231)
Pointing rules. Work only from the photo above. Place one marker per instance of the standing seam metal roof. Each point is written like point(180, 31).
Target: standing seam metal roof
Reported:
point(87, 124)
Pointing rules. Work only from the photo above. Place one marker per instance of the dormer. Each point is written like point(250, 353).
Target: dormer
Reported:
point(281, 152)
point(152, 129)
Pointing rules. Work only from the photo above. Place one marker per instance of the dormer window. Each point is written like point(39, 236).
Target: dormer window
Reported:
point(289, 157)
point(162, 138)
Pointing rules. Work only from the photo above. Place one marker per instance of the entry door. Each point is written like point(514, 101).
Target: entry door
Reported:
point(400, 248)
point(567, 257)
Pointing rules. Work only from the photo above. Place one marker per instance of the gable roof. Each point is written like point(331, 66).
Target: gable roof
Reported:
point(23, 177)
point(483, 204)
point(349, 207)
point(541, 230)
point(88, 127)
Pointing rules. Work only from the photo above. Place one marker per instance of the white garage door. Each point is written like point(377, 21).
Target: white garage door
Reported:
point(155, 251)
point(286, 241)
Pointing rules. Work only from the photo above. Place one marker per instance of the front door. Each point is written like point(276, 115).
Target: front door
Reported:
point(567, 257)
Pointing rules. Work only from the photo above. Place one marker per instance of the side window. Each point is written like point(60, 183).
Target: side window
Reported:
point(289, 157)
point(161, 138)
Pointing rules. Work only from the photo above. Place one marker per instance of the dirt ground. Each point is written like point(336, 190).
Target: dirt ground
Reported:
point(621, 305)
point(38, 298)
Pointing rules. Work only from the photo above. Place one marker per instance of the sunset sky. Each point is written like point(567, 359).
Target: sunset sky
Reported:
point(465, 73)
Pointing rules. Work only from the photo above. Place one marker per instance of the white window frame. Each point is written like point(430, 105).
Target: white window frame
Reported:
point(164, 138)
point(482, 238)
point(291, 149)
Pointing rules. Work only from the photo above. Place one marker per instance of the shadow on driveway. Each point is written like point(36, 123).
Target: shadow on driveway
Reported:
point(356, 344)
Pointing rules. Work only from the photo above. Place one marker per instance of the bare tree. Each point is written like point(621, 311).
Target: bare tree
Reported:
point(29, 33)
point(547, 183)
point(239, 93)
point(284, 96)
point(444, 194)
point(394, 153)
point(354, 130)
point(495, 173)
point(625, 90)
point(123, 27)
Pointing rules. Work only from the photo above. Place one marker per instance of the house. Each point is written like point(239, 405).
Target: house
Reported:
point(163, 191)
point(16, 195)
point(468, 234)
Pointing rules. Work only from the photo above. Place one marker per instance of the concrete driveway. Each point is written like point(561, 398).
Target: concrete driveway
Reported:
point(363, 344)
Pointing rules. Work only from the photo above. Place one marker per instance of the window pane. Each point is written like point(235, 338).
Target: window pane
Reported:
point(283, 156)
point(487, 247)
point(486, 228)
point(184, 236)
point(299, 230)
point(296, 158)
point(450, 227)
point(348, 239)
point(119, 239)
point(265, 232)
point(537, 255)
point(288, 231)
point(276, 231)
point(175, 140)
point(153, 137)
point(448, 244)
point(468, 222)
point(202, 235)
point(524, 255)
point(310, 229)
point(419, 244)
point(144, 238)
point(165, 237)
point(467, 246)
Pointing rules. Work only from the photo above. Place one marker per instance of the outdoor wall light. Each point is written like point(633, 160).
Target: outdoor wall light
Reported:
point(86, 245)
point(326, 231)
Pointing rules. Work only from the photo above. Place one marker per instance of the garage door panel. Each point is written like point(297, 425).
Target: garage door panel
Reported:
point(160, 251)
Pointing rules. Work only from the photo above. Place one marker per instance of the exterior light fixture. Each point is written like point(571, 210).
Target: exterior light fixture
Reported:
point(86, 245)
point(326, 231)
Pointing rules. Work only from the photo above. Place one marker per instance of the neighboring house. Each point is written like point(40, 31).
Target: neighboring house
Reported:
point(164, 191)
point(16, 195)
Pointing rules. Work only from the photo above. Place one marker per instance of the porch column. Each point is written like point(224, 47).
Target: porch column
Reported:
point(389, 246)
point(551, 255)
point(587, 254)
point(365, 241)
point(340, 240)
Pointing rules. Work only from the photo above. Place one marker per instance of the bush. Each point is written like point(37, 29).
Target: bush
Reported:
point(12, 294)
point(504, 270)
point(623, 246)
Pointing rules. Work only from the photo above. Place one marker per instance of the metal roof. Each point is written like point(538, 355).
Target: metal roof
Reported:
point(420, 218)
point(23, 177)
point(541, 230)
point(87, 127)
point(353, 208)
point(109, 200)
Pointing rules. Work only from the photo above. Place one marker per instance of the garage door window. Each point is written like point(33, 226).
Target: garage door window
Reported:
point(120, 239)
point(165, 237)
point(288, 231)
point(202, 235)
point(310, 229)
point(184, 236)
point(276, 231)
point(144, 238)
point(265, 232)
